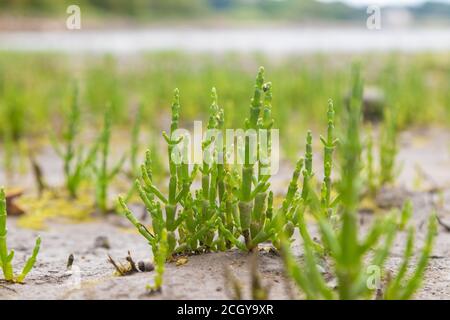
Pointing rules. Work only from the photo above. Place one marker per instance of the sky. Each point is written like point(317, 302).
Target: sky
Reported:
point(383, 2)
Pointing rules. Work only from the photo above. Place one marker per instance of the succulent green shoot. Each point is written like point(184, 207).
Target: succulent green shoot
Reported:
point(160, 252)
point(103, 173)
point(307, 170)
point(72, 130)
point(372, 185)
point(415, 280)
point(134, 147)
point(389, 145)
point(139, 226)
point(30, 262)
point(235, 202)
point(256, 103)
point(348, 270)
point(406, 214)
point(76, 160)
point(329, 144)
point(7, 257)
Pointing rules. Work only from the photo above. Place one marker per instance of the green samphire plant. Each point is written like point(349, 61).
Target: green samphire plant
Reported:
point(76, 159)
point(355, 262)
point(7, 256)
point(248, 196)
point(233, 206)
point(103, 172)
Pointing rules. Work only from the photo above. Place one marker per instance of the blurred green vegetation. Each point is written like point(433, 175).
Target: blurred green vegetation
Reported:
point(291, 10)
point(35, 89)
point(134, 8)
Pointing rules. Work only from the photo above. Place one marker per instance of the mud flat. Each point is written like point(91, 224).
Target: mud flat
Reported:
point(424, 179)
point(202, 277)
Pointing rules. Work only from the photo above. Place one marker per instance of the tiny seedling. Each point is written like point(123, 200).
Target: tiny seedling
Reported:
point(160, 256)
point(405, 214)
point(387, 171)
point(102, 173)
point(389, 146)
point(370, 170)
point(134, 147)
point(75, 160)
point(7, 256)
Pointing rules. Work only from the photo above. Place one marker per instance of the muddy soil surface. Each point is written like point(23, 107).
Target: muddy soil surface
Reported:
point(424, 178)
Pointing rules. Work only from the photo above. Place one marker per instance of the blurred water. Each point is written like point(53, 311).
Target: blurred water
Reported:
point(268, 40)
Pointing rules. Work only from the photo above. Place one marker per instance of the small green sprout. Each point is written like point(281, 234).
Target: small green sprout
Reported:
point(400, 288)
point(370, 170)
point(329, 145)
point(160, 254)
point(389, 146)
point(76, 160)
point(7, 257)
point(103, 174)
point(134, 147)
point(405, 215)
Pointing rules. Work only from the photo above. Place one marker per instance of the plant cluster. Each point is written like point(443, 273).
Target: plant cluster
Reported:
point(81, 163)
point(387, 169)
point(340, 244)
point(234, 208)
point(220, 204)
point(103, 173)
point(75, 159)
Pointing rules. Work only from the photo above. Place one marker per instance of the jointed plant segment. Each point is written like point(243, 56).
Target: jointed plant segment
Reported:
point(329, 145)
point(7, 256)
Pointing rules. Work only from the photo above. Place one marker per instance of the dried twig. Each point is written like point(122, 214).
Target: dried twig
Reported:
point(443, 224)
point(70, 261)
point(38, 175)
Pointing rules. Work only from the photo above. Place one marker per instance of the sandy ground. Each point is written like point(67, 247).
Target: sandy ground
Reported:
point(424, 178)
point(201, 278)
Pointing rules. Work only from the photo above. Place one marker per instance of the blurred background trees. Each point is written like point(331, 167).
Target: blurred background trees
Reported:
point(289, 10)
